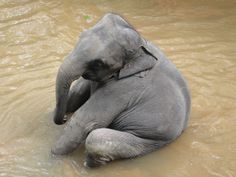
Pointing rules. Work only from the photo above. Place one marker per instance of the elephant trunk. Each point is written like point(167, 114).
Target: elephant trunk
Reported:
point(67, 73)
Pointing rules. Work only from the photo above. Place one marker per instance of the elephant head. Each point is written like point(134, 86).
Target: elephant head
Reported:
point(111, 47)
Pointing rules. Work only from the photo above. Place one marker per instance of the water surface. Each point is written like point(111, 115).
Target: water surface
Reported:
point(198, 36)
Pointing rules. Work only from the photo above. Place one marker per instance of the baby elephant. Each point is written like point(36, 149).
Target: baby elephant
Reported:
point(130, 100)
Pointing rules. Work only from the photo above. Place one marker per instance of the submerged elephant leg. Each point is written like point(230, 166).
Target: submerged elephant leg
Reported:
point(104, 145)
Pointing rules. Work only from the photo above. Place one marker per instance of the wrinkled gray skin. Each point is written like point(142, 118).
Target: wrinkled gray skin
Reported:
point(129, 101)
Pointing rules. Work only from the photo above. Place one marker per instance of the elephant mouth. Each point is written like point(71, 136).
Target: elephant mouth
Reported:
point(67, 117)
point(96, 78)
point(90, 76)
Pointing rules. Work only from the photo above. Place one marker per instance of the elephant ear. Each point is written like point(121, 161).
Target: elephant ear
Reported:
point(143, 60)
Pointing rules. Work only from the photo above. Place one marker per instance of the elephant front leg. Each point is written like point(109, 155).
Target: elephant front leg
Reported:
point(69, 141)
point(76, 132)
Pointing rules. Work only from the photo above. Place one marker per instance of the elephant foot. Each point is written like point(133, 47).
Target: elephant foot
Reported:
point(95, 161)
point(57, 151)
point(65, 145)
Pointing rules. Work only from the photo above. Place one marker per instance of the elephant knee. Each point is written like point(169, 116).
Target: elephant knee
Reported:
point(90, 140)
point(95, 142)
point(98, 153)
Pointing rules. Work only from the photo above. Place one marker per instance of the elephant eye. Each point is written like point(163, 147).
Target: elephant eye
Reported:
point(95, 64)
point(98, 63)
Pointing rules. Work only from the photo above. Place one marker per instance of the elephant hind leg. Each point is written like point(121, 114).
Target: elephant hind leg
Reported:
point(104, 145)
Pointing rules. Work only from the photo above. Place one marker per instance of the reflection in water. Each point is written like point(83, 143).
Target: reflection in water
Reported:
point(198, 36)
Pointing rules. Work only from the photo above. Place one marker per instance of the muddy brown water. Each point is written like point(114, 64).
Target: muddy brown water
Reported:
point(198, 36)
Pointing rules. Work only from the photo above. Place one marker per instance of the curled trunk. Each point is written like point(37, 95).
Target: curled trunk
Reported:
point(67, 73)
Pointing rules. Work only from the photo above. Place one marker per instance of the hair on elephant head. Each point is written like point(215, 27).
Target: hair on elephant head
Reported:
point(111, 47)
